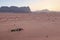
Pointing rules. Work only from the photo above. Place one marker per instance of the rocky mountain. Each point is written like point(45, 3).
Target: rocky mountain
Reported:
point(15, 9)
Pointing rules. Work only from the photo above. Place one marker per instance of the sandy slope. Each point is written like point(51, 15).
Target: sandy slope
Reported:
point(36, 26)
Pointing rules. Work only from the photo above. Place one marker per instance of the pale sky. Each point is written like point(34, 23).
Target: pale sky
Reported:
point(33, 4)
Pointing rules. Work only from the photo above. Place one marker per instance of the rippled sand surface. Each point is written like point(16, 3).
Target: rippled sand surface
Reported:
point(36, 26)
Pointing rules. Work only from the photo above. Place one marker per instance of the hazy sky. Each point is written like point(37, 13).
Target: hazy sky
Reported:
point(33, 4)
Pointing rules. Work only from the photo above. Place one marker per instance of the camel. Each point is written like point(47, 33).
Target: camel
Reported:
point(18, 29)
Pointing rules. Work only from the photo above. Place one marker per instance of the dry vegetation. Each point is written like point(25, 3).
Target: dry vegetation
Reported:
point(36, 26)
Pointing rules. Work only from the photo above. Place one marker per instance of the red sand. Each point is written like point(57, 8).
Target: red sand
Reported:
point(36, 26)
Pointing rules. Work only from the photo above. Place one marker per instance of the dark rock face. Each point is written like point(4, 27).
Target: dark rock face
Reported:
point(15, 9)
point(4, 9)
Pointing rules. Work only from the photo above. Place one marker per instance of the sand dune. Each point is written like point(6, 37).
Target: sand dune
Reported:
point(36, 26)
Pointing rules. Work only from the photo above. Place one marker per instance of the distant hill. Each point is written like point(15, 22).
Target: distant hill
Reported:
point(15, 9)
point(46, 11)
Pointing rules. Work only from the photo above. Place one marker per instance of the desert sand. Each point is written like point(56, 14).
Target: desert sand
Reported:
point(43, 26)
